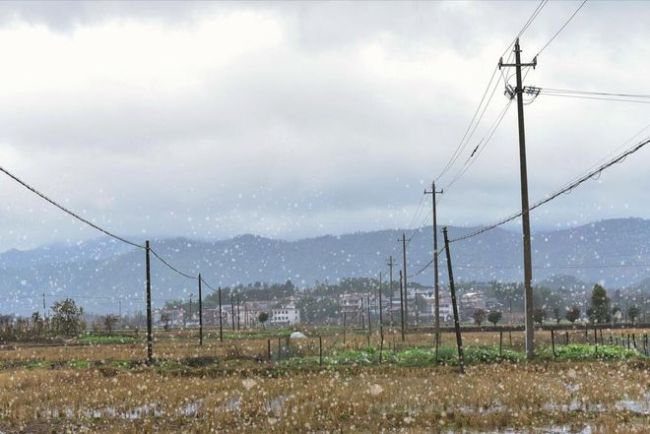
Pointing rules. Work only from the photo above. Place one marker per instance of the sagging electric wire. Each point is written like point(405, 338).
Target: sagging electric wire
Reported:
point(426, 266)
point(482, 144)
point(593, 95)
point(89, 223)
point(564, 190)
point(552, 267)
point(170, 266)
point(474, 122)
point(67, 210)
point(562, 27)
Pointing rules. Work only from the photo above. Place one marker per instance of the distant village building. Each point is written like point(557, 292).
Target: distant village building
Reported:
point(352, 303)
point(469, 302)
point(286, 314)
point(211, 316)
point(169, 317)
point(446, 309)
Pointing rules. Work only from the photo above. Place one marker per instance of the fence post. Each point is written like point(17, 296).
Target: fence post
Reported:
point(553, 342)
point(602, 341)
point(320, 351)
point(566, 335)
point(500, 343)
point(268, 349)
point(452, 289)
point(279, 347)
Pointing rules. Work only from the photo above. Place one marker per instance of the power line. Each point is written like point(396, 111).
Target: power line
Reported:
point(427, 265)
point(532, 17)
point(616, 150)
point(548, 90)
point(600, 98)
point(552, 267)
point(417, 213)
point(207, 284)
point(481, 108)
point(566, 189)
point(482, 144)
point(463, 143)
point(91, 224)
point(562, 27)
point(170, 266)
point(89, 297)
point(474, 123)
point(476, 118)
point(422, 269)
point(68, 211)
point(179, 272)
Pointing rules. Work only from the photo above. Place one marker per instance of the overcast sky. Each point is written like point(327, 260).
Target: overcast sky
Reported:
point(300, 119)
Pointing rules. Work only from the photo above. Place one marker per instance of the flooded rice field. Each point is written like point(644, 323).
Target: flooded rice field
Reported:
point(587, 397)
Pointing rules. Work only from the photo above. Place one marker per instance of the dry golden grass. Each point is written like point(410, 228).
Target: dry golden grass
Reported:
point(488, 397)
point(247, 396)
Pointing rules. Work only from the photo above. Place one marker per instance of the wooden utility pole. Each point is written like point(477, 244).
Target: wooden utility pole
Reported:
point(401, 302)
point(246, 322)
point(200, 313)
point(238, 311)
point(368, 309)
point(190, 315)
point(436, 282)
point(381, 320)
point(220, 317)
point(452, 289)
point(232, 309)
point(405, 280)
point(390, 287)
point(149, 321)
point(525, 217)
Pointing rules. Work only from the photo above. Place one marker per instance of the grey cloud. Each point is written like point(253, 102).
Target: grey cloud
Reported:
point(299, 140)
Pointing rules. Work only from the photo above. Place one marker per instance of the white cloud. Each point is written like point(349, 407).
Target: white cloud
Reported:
point(296, 119)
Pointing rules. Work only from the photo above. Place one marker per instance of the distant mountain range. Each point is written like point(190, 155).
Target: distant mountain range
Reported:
point(98, 272)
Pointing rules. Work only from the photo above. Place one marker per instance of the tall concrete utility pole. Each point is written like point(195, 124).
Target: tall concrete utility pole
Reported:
point(390, 297)
point(381, 309)
point(190, 315)
point(452, 292)
point(404, 279)
point(200, 312)
point(401, 302)
point(220, 317)
point(525, 217)
point(436, 282)
point(148, 298)
point(381, 319)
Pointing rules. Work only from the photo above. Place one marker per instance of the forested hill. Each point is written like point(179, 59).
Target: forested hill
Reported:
point(616, 252)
